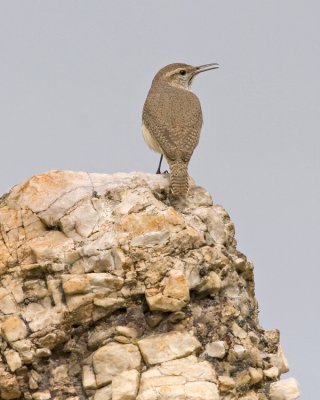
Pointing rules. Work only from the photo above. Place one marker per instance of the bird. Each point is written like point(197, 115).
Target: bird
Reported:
point(172, 120)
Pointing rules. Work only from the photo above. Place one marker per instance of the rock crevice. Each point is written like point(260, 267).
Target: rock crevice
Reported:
point(108, 292)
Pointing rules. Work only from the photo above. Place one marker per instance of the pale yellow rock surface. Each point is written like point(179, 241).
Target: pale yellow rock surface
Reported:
point(88, 378)
point(13, 359)
point(169, 346)
point(173, 297)
point(216, 349)
point(226, 383)
point(108, 292)
point(13, 328)
point(201, 391)
point(125, 385)
point(279, 360)
point(112, 359)
point(187, 377)
point(256, 375)
point(104, 393)
point(286, 389)
point(46, 395)
point(271, 373)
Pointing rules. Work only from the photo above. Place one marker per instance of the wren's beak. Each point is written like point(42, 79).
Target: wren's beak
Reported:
point(202, 68)
point(206, 67)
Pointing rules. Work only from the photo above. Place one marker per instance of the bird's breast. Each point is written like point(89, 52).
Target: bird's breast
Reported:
point(150, 140)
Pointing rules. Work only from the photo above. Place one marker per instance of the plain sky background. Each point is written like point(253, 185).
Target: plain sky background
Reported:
point(73, 79)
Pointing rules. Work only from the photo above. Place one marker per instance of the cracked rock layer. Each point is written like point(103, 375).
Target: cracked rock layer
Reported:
point(108, 292)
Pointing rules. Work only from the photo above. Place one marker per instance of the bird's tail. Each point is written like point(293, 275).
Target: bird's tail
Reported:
point(179, 178)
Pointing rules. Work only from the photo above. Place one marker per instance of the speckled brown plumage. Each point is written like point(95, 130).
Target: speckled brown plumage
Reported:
point(172, 120)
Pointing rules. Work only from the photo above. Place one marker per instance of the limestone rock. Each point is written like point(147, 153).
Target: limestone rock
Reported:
point(256, 375)
point(13, 328)
point(7, 302)
point(212, 283)
point(125, 385)
point(13, 359)
point(104, 393)
point(169, 346)
point(127, 331)
point(112, 359)
point(271, 373)
point(174, 296)
point(108, 292)
point(287, 389)
point(88, 378)
point(201, 391)
point(226, 383)
point(9, 387)
point(46, 395)
point(279, 360)
point(171, 381)
point(186, 377)
point(216, 349)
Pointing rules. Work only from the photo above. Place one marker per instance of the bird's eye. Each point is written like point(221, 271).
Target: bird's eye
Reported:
point(183, 72)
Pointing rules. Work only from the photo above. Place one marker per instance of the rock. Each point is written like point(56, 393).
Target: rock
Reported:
point(172, 389)
point(13, 359)
point(216, 349)
point(109, 303)
point(88, 378)
point(9, 387)
point(256, 375)
point(7, 302)
point(226, 383)
point(201, 391)
point(42, 395)
point(150, 239)
point(92, 282)
point(122, 339)
point(41, 315)
point(184, 386)
point(238, 331)
point(43, 352)
point(13, 328)
point(271, 373)
point(249, 396)
point(25, 348)
point(104, 393)
point(127, 331)
point(112, 359)
point(279, 360)
point(60, 374)
point(174, 296)
point(190, 368)
point(287, 389)
point(125, 385)
point(242, 378)
point(239, 351)
point(165, 347)
point(104, 281)
point(211, 284)
point(34, 379)
point(54, 245)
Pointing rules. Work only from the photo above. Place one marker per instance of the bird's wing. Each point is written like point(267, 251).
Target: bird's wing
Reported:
point(156, 118)
point(175, 122)
point(188, 117)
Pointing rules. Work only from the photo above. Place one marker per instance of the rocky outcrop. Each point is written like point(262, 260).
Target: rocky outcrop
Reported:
point(108, 292)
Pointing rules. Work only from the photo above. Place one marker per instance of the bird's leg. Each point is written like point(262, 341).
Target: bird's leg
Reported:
point(159, 166)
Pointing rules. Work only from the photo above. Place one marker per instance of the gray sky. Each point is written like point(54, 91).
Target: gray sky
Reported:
point(73, 79)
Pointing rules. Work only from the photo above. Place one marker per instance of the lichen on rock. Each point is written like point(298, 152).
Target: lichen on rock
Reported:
point(109, 292)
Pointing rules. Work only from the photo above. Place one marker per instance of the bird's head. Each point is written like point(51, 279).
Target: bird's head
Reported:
point(181, 75)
